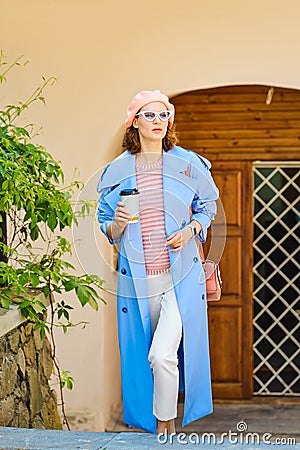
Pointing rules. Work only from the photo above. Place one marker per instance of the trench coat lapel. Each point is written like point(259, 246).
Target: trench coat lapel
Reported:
point(122, 175)
point(179, 190)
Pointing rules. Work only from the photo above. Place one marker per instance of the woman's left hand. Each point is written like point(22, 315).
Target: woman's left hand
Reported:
point(179, 239)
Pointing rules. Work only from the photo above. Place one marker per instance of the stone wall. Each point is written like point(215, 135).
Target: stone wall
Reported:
point(26, 399)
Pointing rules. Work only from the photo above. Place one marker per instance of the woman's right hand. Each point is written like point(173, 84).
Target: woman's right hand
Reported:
point(121, 216)
point(120, 222)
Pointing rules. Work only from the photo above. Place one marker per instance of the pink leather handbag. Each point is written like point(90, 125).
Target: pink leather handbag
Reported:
point(212, 275)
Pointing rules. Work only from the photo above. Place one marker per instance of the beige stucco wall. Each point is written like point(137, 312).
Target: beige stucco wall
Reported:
point(102, 53)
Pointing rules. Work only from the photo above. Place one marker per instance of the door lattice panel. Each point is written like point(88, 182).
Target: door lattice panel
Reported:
point(276, 278)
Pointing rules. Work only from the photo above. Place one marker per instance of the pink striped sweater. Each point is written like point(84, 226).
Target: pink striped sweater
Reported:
point(151, 202)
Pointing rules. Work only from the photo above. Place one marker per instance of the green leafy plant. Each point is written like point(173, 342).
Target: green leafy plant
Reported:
point(35, 209)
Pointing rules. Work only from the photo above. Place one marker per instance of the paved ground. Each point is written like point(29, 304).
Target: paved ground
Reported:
point(278, 420)
point(24, 439)
point(265, 416)
point(243, 425)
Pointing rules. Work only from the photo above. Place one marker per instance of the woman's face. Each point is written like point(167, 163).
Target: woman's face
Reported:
point(155, 130)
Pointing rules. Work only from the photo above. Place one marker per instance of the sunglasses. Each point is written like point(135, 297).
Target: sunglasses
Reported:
point(151, 115)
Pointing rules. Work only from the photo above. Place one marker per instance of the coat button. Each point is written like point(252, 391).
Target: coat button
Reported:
point(183, 223)
point(195, 259)
point(123, 271)
point(124, 310)
point(203, 296)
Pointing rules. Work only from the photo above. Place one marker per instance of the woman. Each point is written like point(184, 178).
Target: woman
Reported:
point(162, 311)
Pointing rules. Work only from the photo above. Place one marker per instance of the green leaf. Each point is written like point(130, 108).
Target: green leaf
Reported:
point(68, 307)
point(7, 293)
point(35, 281)
point(55, 277)
point(46, 290)
point(38, 307)
point(66, 314)
point(87, 294)
point(5, 185)
point(94, 303)
point(42, 333)
point(69, 285)
point(67, 265)
point(5, 303)
point(83, 294)
point(25, 304)
point(52, 221)
point(66, 379)
point(34, 233)
point(41, 325)
point(70, 383)
point(65, 208)
point(23, 279)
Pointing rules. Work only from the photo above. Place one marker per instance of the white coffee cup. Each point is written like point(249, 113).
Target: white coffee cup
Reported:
point(130, 198)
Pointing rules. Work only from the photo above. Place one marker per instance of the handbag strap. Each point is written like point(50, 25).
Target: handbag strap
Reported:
point(200, 250)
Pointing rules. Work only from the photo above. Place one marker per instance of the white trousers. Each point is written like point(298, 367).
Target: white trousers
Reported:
point(166, 327)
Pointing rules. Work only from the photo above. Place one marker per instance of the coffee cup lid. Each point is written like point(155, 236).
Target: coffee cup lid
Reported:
point(129, 192)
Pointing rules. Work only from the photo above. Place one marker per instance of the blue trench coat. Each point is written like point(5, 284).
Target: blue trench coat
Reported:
point(198, 190)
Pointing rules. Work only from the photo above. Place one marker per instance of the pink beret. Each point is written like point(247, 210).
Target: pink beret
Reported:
point(143, 98)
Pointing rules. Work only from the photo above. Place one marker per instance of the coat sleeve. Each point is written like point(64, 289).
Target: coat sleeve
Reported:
point(105, 213)
point(203, 205)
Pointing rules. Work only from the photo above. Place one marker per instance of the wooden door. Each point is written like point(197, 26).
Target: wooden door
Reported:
point(233, 126)
point(230, 319)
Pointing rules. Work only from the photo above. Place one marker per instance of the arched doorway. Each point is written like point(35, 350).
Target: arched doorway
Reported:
point(252, 136)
